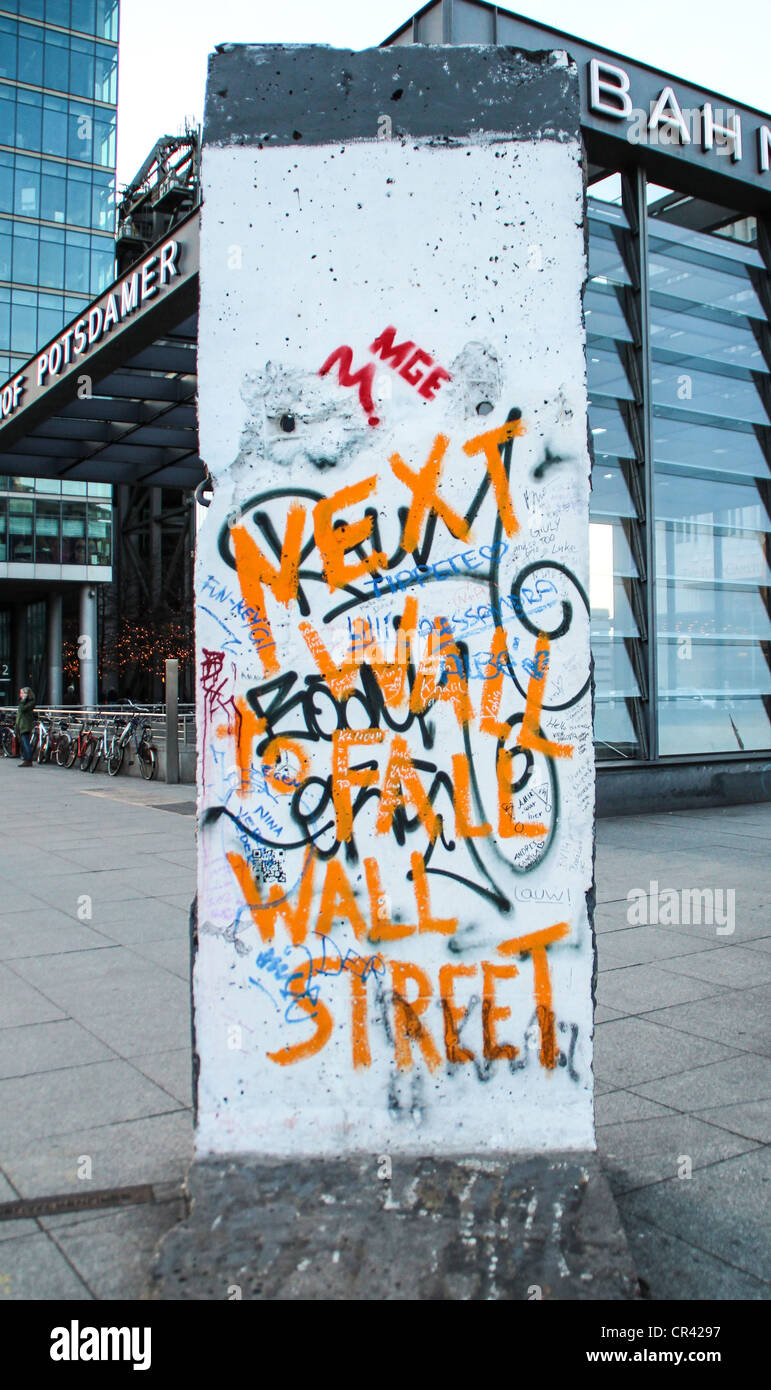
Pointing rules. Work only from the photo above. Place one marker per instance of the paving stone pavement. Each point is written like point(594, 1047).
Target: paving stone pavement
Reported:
point(682, 1048)
point(96, 878)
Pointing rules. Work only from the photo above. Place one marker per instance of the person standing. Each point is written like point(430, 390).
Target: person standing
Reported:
point(25, 722)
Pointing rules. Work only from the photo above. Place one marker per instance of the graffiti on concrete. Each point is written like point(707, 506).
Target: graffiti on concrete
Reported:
point(396, 772)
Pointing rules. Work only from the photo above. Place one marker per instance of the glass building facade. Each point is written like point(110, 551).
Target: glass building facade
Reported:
point(44, 522)
point(58, 102)
point(700, 633)
point(58, 112)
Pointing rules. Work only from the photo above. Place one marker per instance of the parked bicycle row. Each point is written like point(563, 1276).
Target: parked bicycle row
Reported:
point(65, 743)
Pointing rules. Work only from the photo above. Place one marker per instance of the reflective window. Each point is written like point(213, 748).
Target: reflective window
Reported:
point(610, 493)
point(47, 533)
point(20, 536)
point(711, 494)
point(24, 321)
point(6, 182)
point(103, 202)
point(60, 62)
point(53, 192)
point(44, 529)
point(99, 533)
point(696, 335)
point(102, 265)
point(615, 585)
point(54, 125)
point(25, 253)
point(30, 67)
point(605, 258)
point(7, 115)
point(107, 18)
point(56, 64)
point(606, 374)
point(73, 533)
point(29, 119)
point(681, 438)
point(51, 258)
point(58, 12)
point(725, 288)
point(27, 187)
point(610, 434)
point(77, 268)
point(603, 312)
point(79, 197)
point(46, 123)
point(56, 192)
point(50, 317)
point(31, 317)
point(104, 137)
point(83, 15)
point(105, 73)
point(702, 392)
point(82, 71)
point(8, 46)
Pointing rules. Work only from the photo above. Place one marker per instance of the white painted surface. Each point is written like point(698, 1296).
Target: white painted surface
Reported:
point(474, 253)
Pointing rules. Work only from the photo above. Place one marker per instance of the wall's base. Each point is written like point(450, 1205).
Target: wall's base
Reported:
point(506, 1227)
point(645, 789)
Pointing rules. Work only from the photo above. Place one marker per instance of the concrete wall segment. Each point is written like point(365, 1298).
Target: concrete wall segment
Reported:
point(396, 763)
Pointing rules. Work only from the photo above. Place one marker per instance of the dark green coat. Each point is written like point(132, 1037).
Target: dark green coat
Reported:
point(25, 717)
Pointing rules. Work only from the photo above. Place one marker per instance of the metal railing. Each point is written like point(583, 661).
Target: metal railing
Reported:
point(96, 716)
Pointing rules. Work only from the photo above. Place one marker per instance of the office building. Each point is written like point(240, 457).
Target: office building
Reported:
point(58, 100)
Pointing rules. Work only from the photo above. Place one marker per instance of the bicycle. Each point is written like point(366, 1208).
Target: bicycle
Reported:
point(104, 746)
point(41, 739)
point(54, 737)
point(63, 743)
point(143, 747)
point(7, 740)
point(77, 746)
point(64, 750)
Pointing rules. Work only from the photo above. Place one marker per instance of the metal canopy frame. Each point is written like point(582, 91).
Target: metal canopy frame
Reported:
point(135, 428)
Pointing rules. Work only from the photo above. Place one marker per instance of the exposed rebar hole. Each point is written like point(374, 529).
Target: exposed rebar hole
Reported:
point(288, 423)
point(484, 407)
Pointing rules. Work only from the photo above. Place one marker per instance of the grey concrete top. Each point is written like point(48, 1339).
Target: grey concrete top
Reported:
point(283, 94)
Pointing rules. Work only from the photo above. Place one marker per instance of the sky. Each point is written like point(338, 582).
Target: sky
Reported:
point(164, 46)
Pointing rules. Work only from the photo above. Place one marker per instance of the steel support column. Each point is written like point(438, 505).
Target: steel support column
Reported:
point(21, 676)
point(87, 645)
point(54, 635)
point(650, 503)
